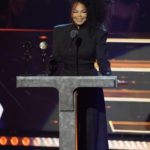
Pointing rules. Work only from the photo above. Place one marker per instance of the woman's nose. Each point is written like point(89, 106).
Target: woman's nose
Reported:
point(79, 14)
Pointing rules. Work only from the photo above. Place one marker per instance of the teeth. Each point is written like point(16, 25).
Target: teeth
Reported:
point(79, 19)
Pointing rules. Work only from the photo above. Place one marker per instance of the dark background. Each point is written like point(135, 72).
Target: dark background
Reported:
point(122, 15)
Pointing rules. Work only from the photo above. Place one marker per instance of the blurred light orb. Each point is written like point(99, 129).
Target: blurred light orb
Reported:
point(43, 45)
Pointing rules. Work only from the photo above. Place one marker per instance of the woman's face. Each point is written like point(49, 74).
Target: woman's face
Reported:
point(79, 13)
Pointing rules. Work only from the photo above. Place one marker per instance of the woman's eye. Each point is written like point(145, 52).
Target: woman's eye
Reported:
point(84, 11)
point(75, 11)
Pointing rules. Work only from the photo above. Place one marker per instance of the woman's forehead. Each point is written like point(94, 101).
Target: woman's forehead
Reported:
point(78, 4)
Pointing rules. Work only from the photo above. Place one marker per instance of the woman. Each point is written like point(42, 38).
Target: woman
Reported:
point(77, 46)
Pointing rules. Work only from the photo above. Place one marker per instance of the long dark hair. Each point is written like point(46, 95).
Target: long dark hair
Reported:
point(96, 10)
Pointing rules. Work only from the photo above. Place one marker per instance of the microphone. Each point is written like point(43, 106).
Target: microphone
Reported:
point(73, 35)
point(78, 42)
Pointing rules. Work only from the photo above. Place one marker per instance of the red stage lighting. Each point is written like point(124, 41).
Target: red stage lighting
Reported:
point(14, 141)
point(3, 140)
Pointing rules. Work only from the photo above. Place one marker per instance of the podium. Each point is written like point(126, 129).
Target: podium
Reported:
point(66, 86)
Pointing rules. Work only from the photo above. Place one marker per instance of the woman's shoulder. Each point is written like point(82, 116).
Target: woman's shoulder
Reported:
point(100, 33)
point(101, 29)
point(62, 27)
point(98, 30)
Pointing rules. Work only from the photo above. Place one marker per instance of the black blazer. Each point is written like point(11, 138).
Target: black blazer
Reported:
point(79, 59)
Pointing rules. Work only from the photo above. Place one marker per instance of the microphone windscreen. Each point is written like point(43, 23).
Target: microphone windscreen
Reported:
point(73, 33)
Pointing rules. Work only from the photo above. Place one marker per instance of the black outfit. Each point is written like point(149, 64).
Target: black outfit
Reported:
point(78, 54)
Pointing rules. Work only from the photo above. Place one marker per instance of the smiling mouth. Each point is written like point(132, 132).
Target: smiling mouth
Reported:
point(79, 19)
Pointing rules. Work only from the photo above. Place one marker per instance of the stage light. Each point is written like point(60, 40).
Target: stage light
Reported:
point(48, 142)
point(26, 141)
point(108, 106)
point(3, 140)
point(133, 82)
point(1, 110)
point(29, 141)
point(54, 122)
point(127, 40)
point(43, 45)
point(43, 37)
point(54, 142)
point(14, 141)
point(128, 145)
point(37, 141)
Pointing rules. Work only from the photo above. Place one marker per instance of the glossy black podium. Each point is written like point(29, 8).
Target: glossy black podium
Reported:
point(66, 85)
